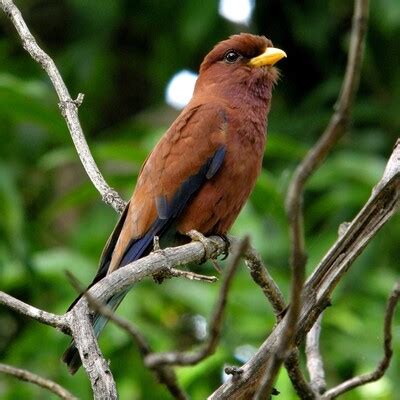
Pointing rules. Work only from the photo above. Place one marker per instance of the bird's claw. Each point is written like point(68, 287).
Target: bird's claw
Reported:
point(209, 251)
point(225, 253)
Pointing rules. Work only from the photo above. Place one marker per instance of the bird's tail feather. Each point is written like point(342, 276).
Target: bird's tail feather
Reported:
point(71, 356)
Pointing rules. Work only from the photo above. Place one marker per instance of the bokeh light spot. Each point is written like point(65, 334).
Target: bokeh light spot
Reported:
point(180, 89)
point(238, 11)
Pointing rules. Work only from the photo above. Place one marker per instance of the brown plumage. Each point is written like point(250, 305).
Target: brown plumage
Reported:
point(203, 169)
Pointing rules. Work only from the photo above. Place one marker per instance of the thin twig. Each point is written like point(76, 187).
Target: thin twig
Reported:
point(165, 374)
point(263, 279)
point(299, 382)
point(68, 106)
point(57, 321)
point(24, 375)
point(193, 357)
point(192, 276)
point(335, 130)
point(383, 365)
point(315, 364)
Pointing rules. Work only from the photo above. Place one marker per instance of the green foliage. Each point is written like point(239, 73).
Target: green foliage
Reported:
point(121, 55)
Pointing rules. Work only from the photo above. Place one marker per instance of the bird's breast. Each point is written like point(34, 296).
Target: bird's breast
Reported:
point(216, 206)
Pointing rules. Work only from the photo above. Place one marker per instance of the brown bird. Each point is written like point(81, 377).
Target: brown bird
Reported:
point(204, 168)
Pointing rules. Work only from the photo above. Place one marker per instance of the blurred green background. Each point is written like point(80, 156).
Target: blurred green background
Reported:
point(122, 54)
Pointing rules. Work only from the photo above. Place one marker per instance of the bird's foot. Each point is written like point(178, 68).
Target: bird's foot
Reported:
point(209, 249)
point(225, 253)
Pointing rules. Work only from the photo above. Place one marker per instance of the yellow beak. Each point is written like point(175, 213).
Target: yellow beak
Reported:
point(270, 56)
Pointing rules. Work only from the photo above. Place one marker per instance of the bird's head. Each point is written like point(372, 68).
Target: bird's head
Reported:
point(241, 66)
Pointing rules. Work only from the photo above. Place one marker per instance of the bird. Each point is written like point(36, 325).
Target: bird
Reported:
point(203, 169)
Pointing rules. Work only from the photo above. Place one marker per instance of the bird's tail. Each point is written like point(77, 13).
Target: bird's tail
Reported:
point(71, 356)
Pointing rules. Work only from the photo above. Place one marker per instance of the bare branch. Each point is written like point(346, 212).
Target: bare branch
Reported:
point(24, 375)
point(383, 365)
point(155, 263)
point(165, 374)
point(263, 279)
point(192, 276)
point(68, 106)
point(96, 367)
point(336, 128)
point(57, 321)
point(380, 207)
point(190, 357)
point(315, 364)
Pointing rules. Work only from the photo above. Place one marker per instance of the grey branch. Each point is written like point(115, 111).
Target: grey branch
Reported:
point(335, 130)
point(263, 279)
point(57, 321)
point(388, 352)
point(68, 106)
point(191, 276)
point(315, 364)
point(380, 207)
point(24, 375)
point(155, 263)
point(190, 357)
point(165, 374)
point(96, 367)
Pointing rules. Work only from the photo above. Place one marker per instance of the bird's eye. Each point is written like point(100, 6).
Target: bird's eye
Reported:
point(231, 56)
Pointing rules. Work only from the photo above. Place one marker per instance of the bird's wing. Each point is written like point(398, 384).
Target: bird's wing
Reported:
point(188, 155)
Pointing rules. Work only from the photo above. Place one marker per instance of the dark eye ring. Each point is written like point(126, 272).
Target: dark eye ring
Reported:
point(231, 56)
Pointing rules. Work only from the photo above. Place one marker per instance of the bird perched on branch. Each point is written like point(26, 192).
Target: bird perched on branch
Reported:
point(203, 169)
